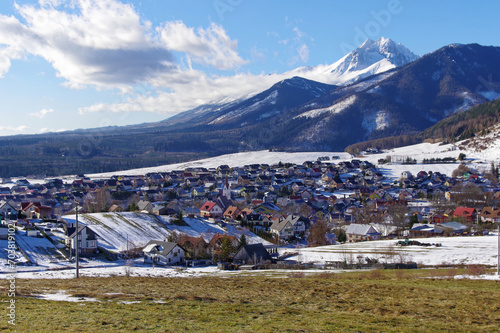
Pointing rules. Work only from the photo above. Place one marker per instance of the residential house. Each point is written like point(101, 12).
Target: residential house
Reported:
point(490, 214)
point(214, 246)
point(469, 214)
point(437, 218)
point(361, 232)
point(266, 208)
point(211, 209)
point(43, 212)
point(231, 212)
point(163, 253)
point(297, 187)
point(8, 210)
point(87, 240)
point(252, 254)
point(282, 228)
point(145, 206)
point(299, 223)
point(406, 175)
point(195, 247)
point(115, 209)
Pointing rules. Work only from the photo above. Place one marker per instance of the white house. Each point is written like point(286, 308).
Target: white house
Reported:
point(283, 228)
point(299, 226)
point(163, 253)
point(361, 232)
point(87, 240)
point(8, 209)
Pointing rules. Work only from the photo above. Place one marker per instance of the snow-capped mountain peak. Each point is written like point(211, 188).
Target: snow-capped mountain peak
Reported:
point(371, 57)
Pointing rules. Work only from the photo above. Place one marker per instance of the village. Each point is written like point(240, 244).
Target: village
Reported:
point(241, 215)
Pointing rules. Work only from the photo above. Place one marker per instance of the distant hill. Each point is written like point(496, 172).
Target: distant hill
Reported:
point(479, 120)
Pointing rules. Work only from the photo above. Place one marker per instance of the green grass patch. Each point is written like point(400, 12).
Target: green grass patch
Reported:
point(369, 301)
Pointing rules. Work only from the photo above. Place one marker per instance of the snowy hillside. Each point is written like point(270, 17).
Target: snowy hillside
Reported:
point(201, 228)
point(233, 160)
point(118, 228)
point(478, 159)
point(117, 231)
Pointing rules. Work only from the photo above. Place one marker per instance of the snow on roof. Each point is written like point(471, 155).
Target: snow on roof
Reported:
point(149, 248)
point(360, 229)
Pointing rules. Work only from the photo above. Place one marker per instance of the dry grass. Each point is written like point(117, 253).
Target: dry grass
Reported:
point(375, 301)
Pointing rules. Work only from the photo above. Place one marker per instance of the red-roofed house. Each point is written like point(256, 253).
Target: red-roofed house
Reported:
point(210, 209)
point(469, 214)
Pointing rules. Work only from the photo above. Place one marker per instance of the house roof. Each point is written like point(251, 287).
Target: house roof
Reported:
point(464, 211)
point(248, 252)
point(208, 206)
point(162, 247)
point(232, 210)
point(280, 224)
point(194, 241)
point(360, 229)
point(71, 231)
point(217, 239)
point(455, 226)
point(142, 204)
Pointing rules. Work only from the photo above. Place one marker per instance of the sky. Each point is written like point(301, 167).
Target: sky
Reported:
point(69, 64)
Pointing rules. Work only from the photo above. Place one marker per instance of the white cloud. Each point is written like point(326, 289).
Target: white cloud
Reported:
point(42, 113)
point(209, 46)
point(303, 53)
point(182, 96)
point(106, 43)
point(22, 128)
point(49, 130)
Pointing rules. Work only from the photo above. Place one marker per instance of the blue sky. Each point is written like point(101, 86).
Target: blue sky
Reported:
point(67, 64)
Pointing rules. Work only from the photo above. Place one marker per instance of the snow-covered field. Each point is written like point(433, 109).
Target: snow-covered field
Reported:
point(466, 250)
point(481, 160)
point(39, 251)
point(233, 160)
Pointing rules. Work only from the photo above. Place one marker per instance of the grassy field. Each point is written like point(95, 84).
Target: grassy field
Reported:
point(376, 301)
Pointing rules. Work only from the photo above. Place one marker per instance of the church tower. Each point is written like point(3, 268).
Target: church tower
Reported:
point(226, 190)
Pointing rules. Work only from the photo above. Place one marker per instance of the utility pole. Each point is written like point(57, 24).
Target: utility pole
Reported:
point(498, 255)
point(76, 243)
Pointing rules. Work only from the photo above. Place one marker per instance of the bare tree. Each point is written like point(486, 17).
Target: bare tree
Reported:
point(399, 215)
point(367, 214)
point(98, 201)
point(305, 210)
point(468, 194)
point(317, 233)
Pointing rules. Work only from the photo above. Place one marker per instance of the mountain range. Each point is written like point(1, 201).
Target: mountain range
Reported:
point(380, 89)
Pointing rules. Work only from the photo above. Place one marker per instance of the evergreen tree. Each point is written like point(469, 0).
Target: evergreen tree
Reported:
point(226, 248)
point(243, 241)
point(341, 235)
point(413, 220)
